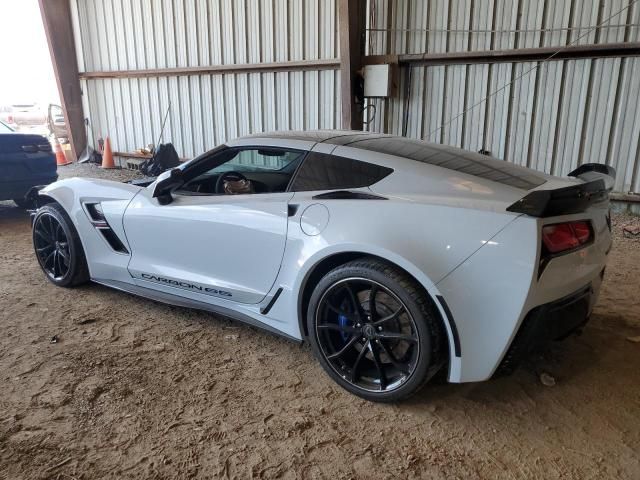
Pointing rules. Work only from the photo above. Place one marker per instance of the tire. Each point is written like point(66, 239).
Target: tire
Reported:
point(23, 203)
point(404, 350)
point(58, 248)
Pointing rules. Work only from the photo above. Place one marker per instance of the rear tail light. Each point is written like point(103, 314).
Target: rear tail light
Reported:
point(562, 237)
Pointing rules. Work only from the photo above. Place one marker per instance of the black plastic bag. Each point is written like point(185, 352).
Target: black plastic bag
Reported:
point(164, 158)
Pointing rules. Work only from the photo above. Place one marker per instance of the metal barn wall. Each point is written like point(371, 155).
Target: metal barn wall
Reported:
point(552, 117)
point(206, 109)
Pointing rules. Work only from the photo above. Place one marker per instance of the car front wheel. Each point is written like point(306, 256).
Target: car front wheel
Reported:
point(58, 247)
point(374, 330)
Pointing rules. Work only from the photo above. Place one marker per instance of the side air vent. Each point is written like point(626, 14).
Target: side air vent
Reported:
point(112, 239)
point(98, 220)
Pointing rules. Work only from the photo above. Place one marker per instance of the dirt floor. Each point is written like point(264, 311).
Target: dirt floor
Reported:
point(136, 389)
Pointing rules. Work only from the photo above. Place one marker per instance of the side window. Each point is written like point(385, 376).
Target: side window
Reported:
point(235, 171)
point(327, 172)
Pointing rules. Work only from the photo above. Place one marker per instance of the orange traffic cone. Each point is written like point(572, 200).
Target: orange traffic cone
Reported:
point(61, 159)
point(107, 155)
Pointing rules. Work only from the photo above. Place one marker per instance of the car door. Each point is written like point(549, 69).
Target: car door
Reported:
point(211, 246)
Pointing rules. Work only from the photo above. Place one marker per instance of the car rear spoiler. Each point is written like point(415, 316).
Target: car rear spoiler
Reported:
point(598, 180)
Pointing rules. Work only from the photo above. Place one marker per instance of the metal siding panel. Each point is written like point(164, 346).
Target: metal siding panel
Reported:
point(77, 32)
point(557, 20)
point(454, 105)
point(598, 123)
point(585, 16)
point(434, 92)
point(231, 106)
point(506, 21)
point(282, 103)
point(530, 24)
point(414, 127)
point(311, 94)
point(459, 25)
point(497, 109)
point(182, 59)
point(197, 124)
point(243, 104)
point(239, 28)
point(573, 116)
point(521, 111)
point(624, 152)
point(546, 117)
point(281, 31)
point(399, 15)
point(634, 32)
point(219, 109)
point(481, 21)
point(175, 116)
point(475, 118)
point(296, 31)
point(438, 23)
point(326, 99)
point(170, 50)
point(610, 11)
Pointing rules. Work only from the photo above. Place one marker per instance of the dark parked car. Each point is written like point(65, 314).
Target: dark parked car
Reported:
point(26, 160)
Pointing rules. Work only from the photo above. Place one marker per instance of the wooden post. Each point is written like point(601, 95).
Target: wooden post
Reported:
point(351, 17)
point(56, 16)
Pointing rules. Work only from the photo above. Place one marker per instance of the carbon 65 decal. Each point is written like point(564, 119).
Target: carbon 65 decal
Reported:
point(195, 287)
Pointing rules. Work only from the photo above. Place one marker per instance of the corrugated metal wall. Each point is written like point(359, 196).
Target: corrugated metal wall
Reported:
point(205, 109)
point(551, 118)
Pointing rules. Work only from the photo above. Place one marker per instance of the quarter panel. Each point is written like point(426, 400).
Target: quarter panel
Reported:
point(427, 241)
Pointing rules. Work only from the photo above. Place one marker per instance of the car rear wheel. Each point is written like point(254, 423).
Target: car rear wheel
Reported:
point(58, 247)
point(374, 330)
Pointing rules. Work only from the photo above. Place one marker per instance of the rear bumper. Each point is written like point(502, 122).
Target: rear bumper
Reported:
point(18, 189)
point(548, 322)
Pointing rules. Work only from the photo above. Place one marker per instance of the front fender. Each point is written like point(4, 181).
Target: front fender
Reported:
point(114, 197)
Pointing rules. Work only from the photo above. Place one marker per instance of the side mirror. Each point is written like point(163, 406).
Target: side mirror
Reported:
point(166, 183)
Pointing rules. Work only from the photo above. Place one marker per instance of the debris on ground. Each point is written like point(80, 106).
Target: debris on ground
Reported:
point(547, 379)
point(54, 339)
point(634, 339)
point(631, 230)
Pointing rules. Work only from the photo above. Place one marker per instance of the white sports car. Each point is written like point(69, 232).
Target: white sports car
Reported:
point(395, 258)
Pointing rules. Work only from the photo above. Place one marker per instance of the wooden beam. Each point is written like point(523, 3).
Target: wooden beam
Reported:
point(515, 55)
point(56, 17)
point(351, 14)
point(293, 66)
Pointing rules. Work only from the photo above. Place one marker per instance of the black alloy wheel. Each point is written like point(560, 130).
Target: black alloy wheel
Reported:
point(52, 247)
point(367, 334)
point(373, 330)
point(58, 247)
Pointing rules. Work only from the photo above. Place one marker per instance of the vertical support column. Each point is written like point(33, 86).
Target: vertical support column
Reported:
point(56, 16)
point(351, 18)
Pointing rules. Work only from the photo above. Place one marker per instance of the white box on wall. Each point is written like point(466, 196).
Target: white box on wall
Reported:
point(377, 80)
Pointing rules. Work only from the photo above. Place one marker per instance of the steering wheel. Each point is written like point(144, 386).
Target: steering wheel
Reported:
point(228, 176)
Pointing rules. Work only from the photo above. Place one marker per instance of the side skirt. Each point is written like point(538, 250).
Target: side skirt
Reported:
point(178, 301)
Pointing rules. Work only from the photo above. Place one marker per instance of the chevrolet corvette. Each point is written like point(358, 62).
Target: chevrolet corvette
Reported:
point(394, 258)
